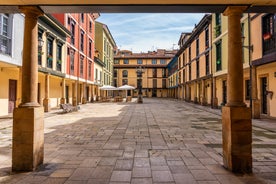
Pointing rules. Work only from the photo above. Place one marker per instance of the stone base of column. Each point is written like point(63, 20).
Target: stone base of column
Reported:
point(83, 100)
point(74, 101)
point(195, 100)
point(215, 103)
point(46, 104)
point(237, 139)
point(256, 109)
point(203, 101)
point(62, 101)
point(28, 139)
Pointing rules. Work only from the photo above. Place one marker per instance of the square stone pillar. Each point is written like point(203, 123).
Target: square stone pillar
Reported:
point(62, 99)
point(28, 138)
point(237, 139)
point(236, 117)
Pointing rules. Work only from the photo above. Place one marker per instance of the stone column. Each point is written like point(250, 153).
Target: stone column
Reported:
point(256, 104)
point(195, 93)
point(214, 93)
point(28, 118)
point(93, 93)
point(75, 88)
point(62, 100)
point(46, 100)
point(83, 101)
point(203, 95)
point(236, 117)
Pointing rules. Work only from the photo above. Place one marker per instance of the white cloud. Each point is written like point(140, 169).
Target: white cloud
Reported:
point(143, 32)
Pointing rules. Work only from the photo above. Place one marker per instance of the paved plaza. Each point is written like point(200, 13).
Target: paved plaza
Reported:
point(160, 141)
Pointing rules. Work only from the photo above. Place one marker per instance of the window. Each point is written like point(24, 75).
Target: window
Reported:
point(89, 69)
point(184, 59)
point(59, 57)
point(247, 89)
point(154, 83)
point(82, 17)
point(218, 56)
point(125, 73)
point(116, 61)
point(90, 26)
point(115, 73)
point(72, 29)
point(190, 54)
point(197, 46)
point(207, 64)
point(153, 61)
point(90, 48)
point(197, 68)
point(164, 83)
point(164, 72)
point(115, 82)
point(50, 52)
point(72, 62)
point(81, 66)
point(269, 33)
point(39, 50)
point(218, 24)
point(206, 37)
point(139, 61)
point(104, 45)
point(82, 41)
point(124, 81)
point(190, 72)
point(96, 75)
point(125, 61)
point(162, 61)
point(100, 77)
point(154, 72)
point(5, 40)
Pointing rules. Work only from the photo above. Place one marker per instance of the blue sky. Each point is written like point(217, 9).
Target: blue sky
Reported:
point(143, 32)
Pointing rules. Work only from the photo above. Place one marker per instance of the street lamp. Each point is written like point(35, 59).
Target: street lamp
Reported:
point(40, 42)
point(140, 72)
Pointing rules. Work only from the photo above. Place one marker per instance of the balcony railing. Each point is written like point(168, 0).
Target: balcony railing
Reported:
point(269, 43)
point(5, 45)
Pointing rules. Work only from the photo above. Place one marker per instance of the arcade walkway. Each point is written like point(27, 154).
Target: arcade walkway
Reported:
point(160, 141)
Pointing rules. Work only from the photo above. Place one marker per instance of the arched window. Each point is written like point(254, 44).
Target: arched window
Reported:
point(125, 73)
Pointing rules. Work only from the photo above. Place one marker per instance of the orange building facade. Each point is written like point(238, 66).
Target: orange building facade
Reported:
point(79, 84)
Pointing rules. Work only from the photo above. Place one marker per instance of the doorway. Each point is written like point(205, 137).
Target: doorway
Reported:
point(12, 94)
point(224, 92)
point(67, 94)
point(263, 95)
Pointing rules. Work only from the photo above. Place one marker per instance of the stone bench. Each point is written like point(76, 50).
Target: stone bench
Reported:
point(68, 107)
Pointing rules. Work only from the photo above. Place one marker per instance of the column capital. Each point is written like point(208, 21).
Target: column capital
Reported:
point(33, 11)
point(234, 10)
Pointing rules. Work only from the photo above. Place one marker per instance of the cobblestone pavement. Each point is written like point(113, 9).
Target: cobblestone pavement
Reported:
point(159, 141)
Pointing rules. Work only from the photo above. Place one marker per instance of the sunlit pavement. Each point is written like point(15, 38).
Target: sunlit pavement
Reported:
point(159, 141)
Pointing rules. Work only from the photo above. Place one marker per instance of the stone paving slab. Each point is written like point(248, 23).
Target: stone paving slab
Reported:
point(159, 141)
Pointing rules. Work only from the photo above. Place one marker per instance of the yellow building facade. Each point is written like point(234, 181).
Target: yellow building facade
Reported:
point(194, 64)
point(263, 34)
point(52, 37)
point(153, 64)
point(220, 54)
point(52, 56)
